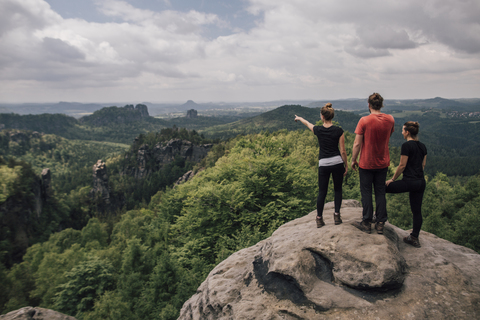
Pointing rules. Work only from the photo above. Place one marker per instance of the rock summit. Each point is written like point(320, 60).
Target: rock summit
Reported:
point(339, 272)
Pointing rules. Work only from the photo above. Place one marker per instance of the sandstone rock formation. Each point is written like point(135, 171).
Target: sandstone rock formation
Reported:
point(339, 272)
point(100, 182)
point(104, 199)
point(19, 213)
point(116, 115)
point(192, 113)
point(187, 176)
point(46, 184)
point(162, 154)
point(29, 313)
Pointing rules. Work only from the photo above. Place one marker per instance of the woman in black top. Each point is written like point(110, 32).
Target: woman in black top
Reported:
point(412, 162)
point(332, 160)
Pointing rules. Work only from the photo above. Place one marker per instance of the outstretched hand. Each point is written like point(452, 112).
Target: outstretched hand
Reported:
point(297, 118)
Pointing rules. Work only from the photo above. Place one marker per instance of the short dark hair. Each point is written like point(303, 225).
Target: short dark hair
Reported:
point(376, 101)
point(327, 111)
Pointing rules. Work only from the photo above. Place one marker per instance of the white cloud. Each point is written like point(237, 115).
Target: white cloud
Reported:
point(298, 49)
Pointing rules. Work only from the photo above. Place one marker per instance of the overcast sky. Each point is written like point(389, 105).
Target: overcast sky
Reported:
point(237, 50)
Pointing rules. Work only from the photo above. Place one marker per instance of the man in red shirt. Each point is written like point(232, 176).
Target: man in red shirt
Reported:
point(372, 136)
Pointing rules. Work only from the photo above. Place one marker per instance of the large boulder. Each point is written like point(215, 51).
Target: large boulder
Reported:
point(339, 272)
point(29, 313)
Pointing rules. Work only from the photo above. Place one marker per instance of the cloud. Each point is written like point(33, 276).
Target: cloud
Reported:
point(297, 48)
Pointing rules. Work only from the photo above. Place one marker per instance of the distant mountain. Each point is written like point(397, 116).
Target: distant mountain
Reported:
point(79, 110)
point(114, 115)
point(400, 105)
point(190, 104)
point(5, 110)
point(59, 124)
point(73, 109)
point(279, 118)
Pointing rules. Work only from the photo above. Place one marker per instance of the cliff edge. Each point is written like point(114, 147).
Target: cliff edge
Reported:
point(339, 272)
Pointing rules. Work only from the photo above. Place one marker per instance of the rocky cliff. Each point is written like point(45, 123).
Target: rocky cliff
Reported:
point(20, 212)
point(339, 272)
point(100, 193)
point(29, 313)
point(116, 115)
point(192, 113)
point(147, 159)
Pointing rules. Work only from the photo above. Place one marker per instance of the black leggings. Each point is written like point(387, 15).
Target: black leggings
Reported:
point(415, 188)
point(337, 172)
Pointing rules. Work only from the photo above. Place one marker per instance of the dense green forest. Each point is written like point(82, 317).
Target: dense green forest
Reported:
point(146, 262)
point(150, 252)
point(70, 203)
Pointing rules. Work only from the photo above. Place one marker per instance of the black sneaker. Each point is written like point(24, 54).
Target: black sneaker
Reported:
point(362, 225)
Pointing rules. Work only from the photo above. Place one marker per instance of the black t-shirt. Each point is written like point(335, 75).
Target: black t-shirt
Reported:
point(416, 151)
point(328, 140)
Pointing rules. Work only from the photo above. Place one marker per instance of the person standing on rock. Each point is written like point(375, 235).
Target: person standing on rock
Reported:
point(372, 137)
point(413, 157)
point(332, 160)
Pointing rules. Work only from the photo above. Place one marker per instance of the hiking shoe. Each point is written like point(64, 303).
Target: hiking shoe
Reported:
point(337, 218)
point(320, 222)
point(413, 241)
point(379, 227)
point(362, 225)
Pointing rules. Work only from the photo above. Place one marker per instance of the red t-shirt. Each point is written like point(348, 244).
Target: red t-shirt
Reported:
point(376, 129)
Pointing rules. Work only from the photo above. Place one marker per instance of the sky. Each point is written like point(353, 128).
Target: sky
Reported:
point(237, 50)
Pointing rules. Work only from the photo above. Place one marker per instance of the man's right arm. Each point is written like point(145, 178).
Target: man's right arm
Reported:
point(357, 145)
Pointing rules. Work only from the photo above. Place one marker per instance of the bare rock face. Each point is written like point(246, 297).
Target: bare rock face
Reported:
point(187, 176)
point(29, 313)
point(143, 110)
point(339, 272)
point(46, 183)
point(100, 182)
point(18, 215)
point(192, 113)
point(163, 154)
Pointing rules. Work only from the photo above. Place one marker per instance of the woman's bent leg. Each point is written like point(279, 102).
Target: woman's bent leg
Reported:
point(415, 188)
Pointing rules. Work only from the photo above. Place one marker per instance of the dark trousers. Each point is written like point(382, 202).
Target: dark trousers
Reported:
point(375, 177)
point(415, 189)
point(337, 172)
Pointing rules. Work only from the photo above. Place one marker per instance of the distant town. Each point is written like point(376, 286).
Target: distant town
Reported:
point(458, 114)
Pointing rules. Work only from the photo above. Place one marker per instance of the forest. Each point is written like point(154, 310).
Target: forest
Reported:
point(147, 258)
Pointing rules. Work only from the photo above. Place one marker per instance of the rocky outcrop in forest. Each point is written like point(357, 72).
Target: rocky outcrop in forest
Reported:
point(116, 115)
point(339, 272)
point(100, 182)
point(101, 194)
point(20, 211)
point(192, 113)
point(147, 160)
point(29, 313)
